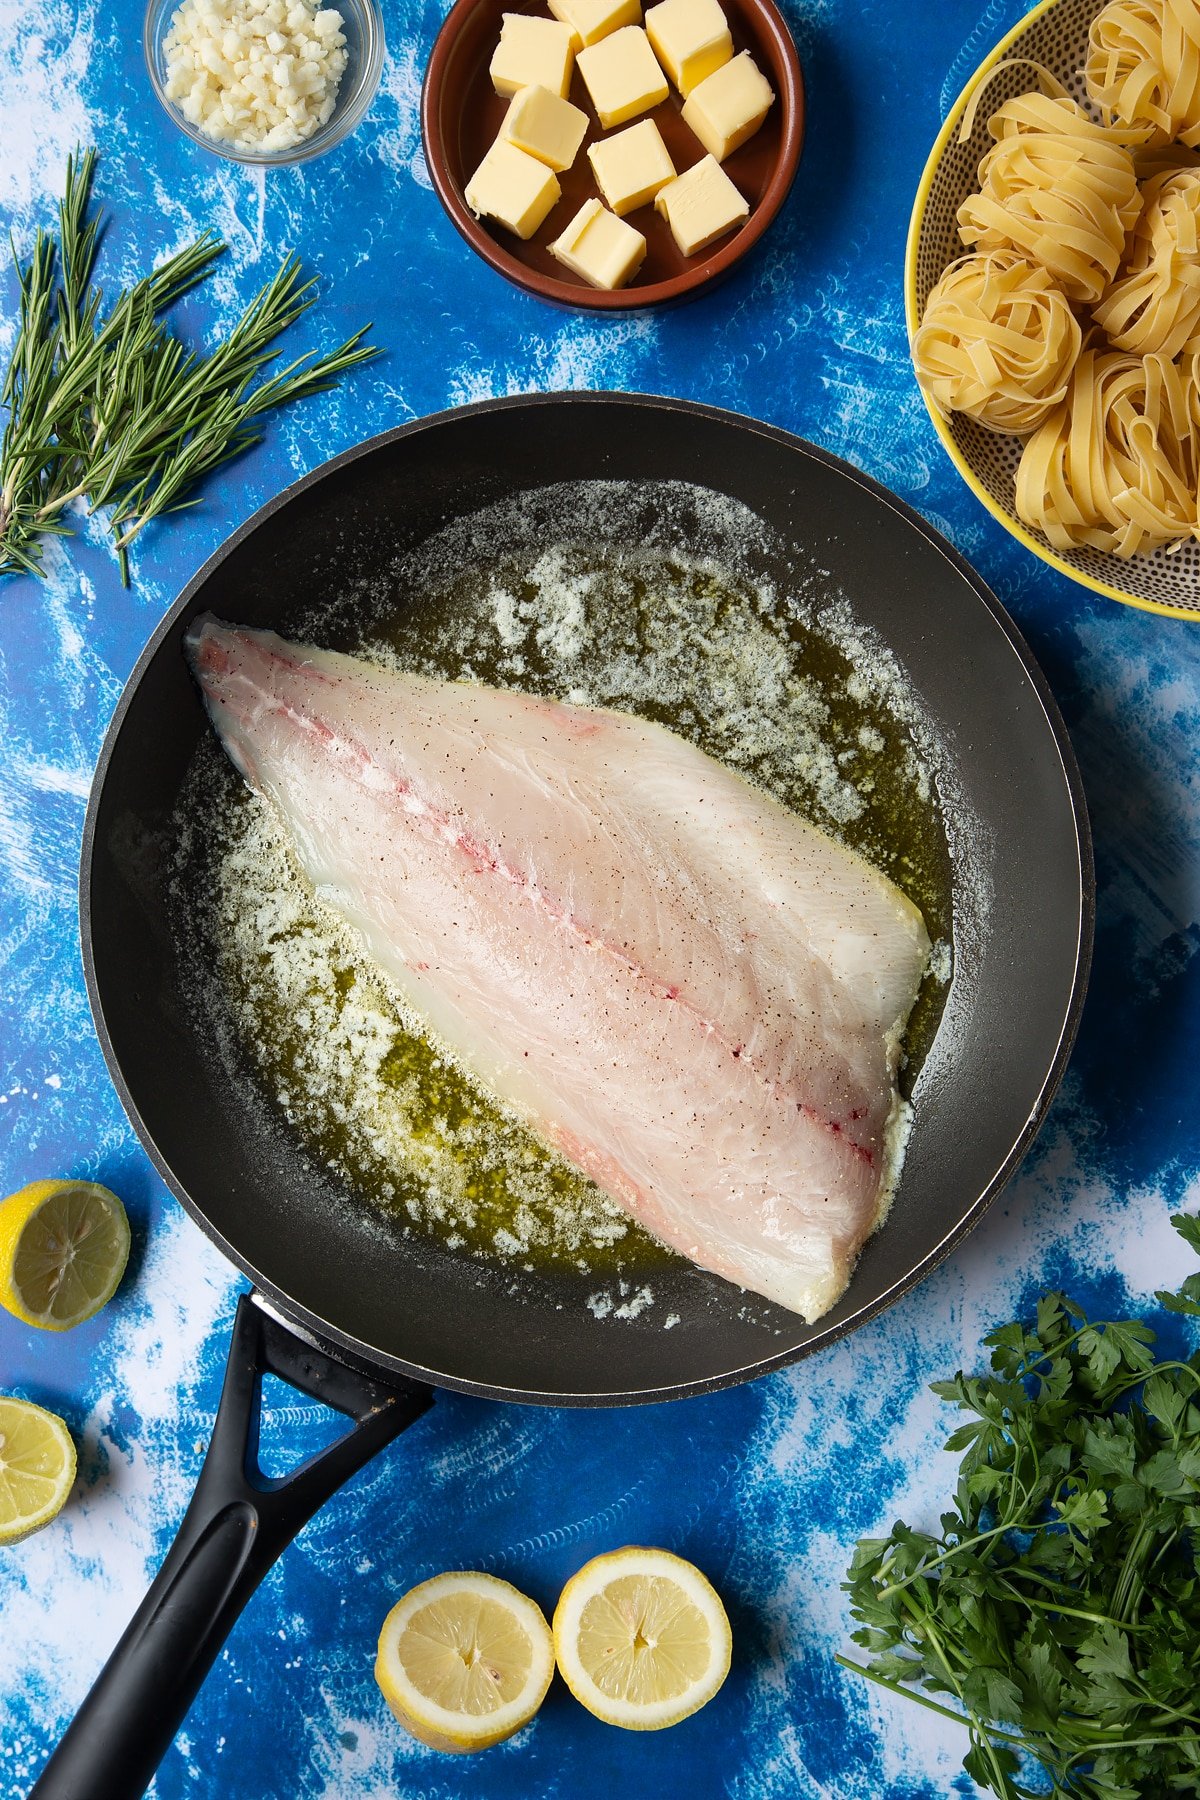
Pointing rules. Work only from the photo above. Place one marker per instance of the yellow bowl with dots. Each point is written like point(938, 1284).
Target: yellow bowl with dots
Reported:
point(1055, 35)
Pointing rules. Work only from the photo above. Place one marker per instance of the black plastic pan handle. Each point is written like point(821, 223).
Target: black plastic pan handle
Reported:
point(238, 1523)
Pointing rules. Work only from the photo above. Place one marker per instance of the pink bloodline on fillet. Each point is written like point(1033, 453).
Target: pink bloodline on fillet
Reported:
point(218, 660)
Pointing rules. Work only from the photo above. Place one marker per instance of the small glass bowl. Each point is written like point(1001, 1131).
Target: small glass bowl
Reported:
point(362, 25)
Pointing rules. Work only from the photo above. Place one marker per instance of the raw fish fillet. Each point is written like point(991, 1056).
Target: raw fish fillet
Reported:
point(693, 995)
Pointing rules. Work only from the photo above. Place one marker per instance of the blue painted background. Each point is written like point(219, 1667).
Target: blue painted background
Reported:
point(767, 1486)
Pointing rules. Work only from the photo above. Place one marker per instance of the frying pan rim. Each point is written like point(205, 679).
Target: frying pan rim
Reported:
point(343, 1343)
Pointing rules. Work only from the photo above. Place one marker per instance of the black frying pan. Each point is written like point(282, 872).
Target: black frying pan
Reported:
point(372, 1324)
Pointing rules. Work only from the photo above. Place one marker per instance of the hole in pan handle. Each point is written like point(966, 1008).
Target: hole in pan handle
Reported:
point(236, 1526)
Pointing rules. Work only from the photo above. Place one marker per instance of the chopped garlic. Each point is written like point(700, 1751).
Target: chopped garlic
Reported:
point(255, 74)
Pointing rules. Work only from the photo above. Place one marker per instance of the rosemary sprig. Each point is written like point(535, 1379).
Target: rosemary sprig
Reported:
point(107, 406)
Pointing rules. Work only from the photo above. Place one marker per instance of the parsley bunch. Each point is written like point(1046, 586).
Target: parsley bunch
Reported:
point(1059, 1607)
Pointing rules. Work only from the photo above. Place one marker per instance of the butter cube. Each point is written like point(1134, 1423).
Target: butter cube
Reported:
point(632, 166)
point(690, 39)
point(728, 106)
point(591, 20)
point(622, 76)
point(545, 126)
point(532, 53)
point(599, 247)
point(700, 205)
point(514, 189)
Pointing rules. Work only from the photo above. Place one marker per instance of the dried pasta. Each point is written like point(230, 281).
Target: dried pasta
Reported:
point(1155, 302)
point(1143, 68)
point(1115, 466)
point(997, 341)
point(1056, 188)
point(1074, 323)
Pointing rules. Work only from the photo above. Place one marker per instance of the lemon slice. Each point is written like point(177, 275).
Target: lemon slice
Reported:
point(641, 1638)
point(464, 1661)
point(37, 1467)
point(63, 1249)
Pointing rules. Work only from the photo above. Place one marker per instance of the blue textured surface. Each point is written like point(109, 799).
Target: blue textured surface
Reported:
point(767, 1486)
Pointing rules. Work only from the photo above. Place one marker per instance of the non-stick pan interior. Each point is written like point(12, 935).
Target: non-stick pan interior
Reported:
point(407, 1301)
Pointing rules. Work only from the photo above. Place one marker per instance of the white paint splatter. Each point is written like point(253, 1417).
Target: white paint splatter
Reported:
point(46, 47)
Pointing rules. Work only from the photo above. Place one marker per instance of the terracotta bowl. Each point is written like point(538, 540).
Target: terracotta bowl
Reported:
point(461, 114)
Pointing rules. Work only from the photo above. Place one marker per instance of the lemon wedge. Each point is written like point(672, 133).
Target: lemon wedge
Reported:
point(464, 1661)
point(63, 1249)
point(37, 1467)
point(641, 1638)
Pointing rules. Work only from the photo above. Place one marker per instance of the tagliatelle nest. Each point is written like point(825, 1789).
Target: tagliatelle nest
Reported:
point(1058, 189)
point(1143, 68)
point(1154, 305)
point(1115, 466)
point(998, 341)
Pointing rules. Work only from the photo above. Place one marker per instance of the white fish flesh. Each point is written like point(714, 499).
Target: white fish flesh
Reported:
point(693, 995)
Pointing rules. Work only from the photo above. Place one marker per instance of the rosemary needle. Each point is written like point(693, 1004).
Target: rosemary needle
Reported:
point(106, 406)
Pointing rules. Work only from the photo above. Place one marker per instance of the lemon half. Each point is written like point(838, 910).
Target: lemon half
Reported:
point(37, 1467)
point(63, 1249)
point(641, 1637)
point(464, 1661)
